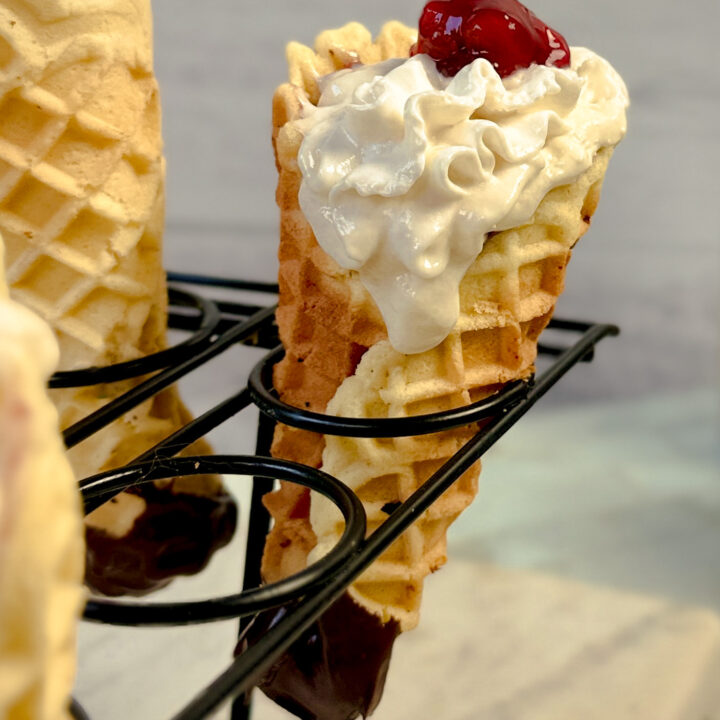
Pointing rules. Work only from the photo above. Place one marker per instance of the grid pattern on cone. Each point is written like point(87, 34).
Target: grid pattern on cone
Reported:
point(81, 177)
point(82, 214)
point(81, 202)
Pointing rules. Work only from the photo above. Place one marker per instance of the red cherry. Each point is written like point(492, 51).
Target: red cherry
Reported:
point(557, 50)
point(505, 42)
point(505, 32)
point(440, 30)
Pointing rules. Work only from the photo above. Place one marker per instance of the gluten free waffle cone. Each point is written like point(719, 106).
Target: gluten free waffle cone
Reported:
point(339, 360)
point(82, 177)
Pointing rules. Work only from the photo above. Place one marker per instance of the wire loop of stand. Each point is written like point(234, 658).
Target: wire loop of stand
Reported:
point(164, 379)
point(216, 327)
point(209, 319)
point(265, 397)
point(102, 488)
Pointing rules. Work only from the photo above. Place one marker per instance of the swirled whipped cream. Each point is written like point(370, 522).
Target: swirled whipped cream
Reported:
point(406, 171)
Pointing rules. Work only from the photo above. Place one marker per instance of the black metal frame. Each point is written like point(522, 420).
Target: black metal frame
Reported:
point(216, 326)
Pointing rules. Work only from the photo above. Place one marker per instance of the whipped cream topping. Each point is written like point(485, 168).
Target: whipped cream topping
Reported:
point(406, 171)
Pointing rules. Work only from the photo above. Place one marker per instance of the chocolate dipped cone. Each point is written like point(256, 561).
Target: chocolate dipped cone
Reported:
point(82, 177)
point(339, 360)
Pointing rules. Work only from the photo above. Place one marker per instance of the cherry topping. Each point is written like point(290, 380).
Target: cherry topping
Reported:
point(504, 32)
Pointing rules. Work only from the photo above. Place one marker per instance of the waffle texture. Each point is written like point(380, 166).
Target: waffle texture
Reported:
point(339, 360)
point(82, 199)
point(41, 546)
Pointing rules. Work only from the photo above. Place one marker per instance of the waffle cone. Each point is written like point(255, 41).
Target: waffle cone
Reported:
point(338, 358)
point(41, 547)
point(82, 205)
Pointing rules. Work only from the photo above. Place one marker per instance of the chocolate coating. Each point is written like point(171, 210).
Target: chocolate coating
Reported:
point(336, 670)
point(176, 535)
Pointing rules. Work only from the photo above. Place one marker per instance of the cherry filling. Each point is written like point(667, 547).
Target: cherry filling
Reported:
point(504, 32)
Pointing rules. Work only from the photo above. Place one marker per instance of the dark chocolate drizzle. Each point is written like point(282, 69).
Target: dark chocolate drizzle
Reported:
point(336, 670)
point(176, 535)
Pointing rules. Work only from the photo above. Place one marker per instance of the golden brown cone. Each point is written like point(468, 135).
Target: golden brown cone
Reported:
point(327, 321)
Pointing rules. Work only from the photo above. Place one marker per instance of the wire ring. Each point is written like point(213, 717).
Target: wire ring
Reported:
point(209, 320)
point(101, 488)
point(264, 396)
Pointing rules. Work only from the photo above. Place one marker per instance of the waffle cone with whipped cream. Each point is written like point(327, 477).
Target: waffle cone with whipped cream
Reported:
point(41, 544)
point(82, 178)
point(339, 360)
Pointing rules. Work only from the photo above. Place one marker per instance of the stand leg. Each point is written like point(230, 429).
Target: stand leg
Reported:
point(259, 524)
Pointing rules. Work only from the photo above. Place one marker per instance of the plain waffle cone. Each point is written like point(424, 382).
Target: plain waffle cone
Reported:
point(82, 200)
point(327, 323)
point(41, 546)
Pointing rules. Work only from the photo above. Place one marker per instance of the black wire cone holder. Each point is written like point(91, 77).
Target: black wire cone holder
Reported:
point(215, 327)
